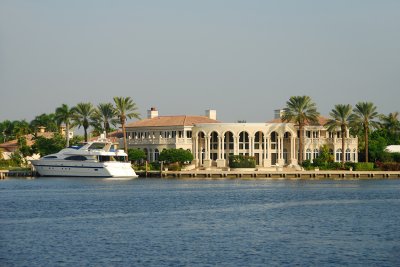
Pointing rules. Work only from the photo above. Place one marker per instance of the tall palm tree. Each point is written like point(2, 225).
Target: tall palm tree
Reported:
point(64, 114)
point(125, 108)
point(340, 118)
point(82, 115)
point(364, 114)
point(300, 110)
point(104, 116)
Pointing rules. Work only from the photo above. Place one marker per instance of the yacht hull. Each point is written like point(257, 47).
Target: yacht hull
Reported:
point(77, 169)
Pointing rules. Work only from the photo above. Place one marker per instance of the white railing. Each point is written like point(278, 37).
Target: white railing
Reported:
point(160, 141)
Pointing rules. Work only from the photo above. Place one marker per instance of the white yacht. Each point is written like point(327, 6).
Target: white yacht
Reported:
point(93, 159)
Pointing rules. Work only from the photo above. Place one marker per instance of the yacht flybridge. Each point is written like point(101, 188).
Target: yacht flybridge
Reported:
point(93, 159)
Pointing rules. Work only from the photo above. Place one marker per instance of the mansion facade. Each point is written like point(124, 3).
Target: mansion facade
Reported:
point(212, 142)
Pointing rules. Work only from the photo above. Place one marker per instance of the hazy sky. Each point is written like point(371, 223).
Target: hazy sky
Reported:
point(242, 58)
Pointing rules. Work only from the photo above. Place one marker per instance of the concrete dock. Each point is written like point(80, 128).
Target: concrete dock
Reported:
point(280, 174)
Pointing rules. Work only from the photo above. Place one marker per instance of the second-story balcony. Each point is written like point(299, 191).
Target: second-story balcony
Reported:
point(159, 141)
point(333, 141)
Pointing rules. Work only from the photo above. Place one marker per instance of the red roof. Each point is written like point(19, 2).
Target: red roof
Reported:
point(181, 120)
point(12, 145)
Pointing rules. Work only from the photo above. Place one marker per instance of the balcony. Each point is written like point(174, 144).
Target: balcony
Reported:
point(159, 141)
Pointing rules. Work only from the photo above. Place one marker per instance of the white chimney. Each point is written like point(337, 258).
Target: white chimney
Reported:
point(278, 113)
point(152, 113)
point(211, 114)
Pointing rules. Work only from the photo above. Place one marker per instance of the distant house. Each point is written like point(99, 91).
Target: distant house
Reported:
point(393, 149)
point(11, 146)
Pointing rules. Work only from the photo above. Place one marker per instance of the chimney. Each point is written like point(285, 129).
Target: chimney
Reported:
point(152, 113)
point(211, 114)
point(278, 113)
point(42, 129)
point(62, 130)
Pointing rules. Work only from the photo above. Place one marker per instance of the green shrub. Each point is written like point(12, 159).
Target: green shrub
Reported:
point(349, 165)
point(364, 166)
point(307, 164)
point(136, 154)
point(240, 161)
point(176, 155)
point(396, 157)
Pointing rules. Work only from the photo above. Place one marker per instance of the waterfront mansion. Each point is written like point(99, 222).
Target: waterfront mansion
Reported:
point(211, 141)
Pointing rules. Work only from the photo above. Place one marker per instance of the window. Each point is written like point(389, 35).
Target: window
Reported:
point(50, 157)
point(189, 134)
point(316, 153)
point(97, 146)
point(77, 158)
point(348, 155)
point(308, 154)
point(338, 155)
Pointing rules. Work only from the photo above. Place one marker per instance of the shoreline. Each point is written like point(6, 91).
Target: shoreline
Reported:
point(253, 174)
point(292, 175)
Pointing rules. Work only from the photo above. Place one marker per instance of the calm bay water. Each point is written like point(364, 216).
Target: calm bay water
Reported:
point(159, 222)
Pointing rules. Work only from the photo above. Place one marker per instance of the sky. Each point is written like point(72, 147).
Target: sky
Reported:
point(243, 58)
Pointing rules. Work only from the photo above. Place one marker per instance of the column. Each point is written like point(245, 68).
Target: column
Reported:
point(219, 147)
point(251, 146)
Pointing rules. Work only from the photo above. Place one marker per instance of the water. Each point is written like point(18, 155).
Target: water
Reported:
point(158, 222)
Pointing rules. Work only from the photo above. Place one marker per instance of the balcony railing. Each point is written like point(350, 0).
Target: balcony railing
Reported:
point(159, 141)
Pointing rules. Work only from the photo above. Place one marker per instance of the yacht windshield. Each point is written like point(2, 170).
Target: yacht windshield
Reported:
point(97, 146)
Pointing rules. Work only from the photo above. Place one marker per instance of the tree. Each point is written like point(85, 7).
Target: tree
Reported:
point(45, 146)
point(21, 128)
point(363, 115)
point(391, 124)
point(300, 110)
point(82, 114)
point(65, 115)
point(104, 116)
point(340, 118)
point(125, 108)
point(136, 154)
point(44, 120)
point(175, 155)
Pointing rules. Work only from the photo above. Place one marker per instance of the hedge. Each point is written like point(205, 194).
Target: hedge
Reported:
point(364, 166)
point(240, 161)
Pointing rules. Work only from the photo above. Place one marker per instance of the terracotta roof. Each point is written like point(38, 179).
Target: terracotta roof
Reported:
point(12, 145)
point(112, 136)
point(321, 121)
point(182, 120)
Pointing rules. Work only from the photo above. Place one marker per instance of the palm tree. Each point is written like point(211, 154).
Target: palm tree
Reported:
point(45, 120)
point(64, 115)
point(104, 116)
point(82, 115)
point(300, 110)
point(340, 118)
point(391, 123)
point(363, 115)
point(125, 108)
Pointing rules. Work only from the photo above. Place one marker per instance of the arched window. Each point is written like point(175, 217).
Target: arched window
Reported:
point(156, 154)
point(354, 155)
point(316, 153)
point(338, 155)
point(348, 154)
point(308, 154)
point(244, 140)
